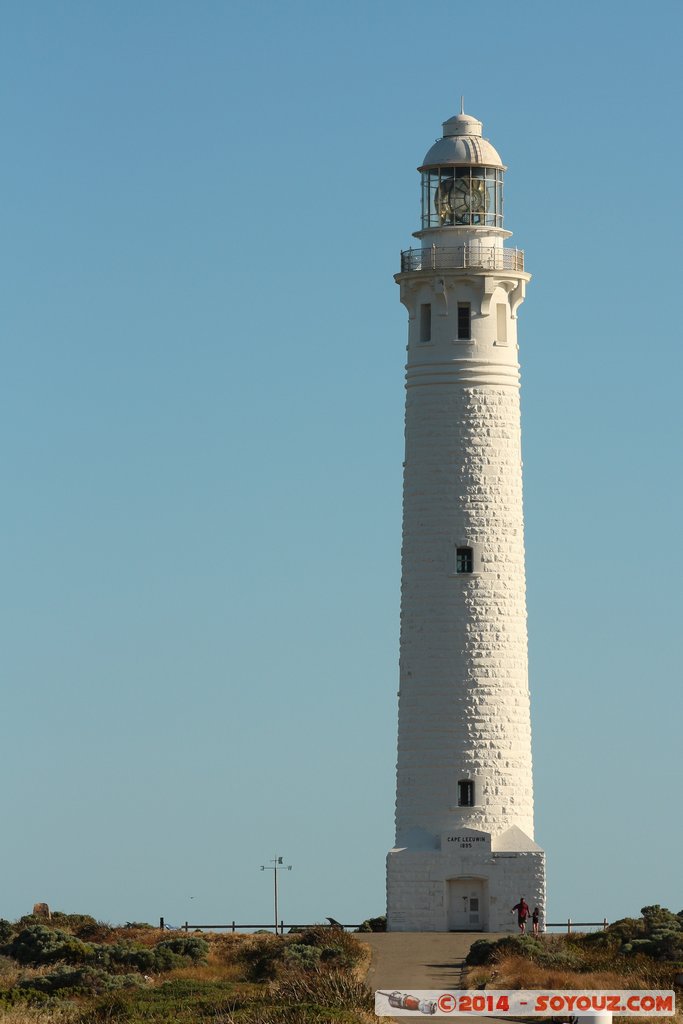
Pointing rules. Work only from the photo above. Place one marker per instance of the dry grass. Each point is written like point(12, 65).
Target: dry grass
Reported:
point(633, 973)
point(637, 973)
point(323, 987)
point(204, 972)
point(28, 1015)
point(520, 972)
point(226, 949)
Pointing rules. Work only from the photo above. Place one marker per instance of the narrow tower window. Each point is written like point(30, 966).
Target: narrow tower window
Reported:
point(425, 322)
point(464, 321)
point(502, 323)
point(465, 793)
point(463, 560)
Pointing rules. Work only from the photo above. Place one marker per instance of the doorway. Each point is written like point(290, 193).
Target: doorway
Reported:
point(466, 910)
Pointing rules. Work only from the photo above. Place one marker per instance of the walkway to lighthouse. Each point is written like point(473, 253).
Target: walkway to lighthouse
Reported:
point(420, 960)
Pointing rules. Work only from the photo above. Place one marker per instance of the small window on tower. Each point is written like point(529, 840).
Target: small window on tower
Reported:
point(425, 322)
point(464, 561)
point(502, 323)
point(465, 793)
point(464, 321)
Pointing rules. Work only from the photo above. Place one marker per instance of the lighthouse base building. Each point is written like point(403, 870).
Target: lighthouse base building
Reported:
point(470, 882)
point(464, 852)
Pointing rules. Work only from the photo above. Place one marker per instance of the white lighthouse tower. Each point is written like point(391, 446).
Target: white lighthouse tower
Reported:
point(465, 849)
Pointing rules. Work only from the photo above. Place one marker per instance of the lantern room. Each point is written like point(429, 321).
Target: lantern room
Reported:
point(462, 178)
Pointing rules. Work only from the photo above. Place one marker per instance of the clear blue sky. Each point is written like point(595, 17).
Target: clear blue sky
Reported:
point(201, 439)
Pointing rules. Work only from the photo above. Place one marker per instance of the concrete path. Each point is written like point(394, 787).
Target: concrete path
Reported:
point(420, 960)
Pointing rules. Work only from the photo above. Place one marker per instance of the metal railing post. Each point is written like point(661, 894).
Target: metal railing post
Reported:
point(569, 926)
point(433, 256)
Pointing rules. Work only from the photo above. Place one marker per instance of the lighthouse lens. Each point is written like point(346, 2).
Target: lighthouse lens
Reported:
point(462, 195)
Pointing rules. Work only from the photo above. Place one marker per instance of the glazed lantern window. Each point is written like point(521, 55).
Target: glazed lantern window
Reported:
point(453, 196)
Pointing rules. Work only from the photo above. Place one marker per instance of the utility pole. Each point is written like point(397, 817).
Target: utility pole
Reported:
point(276, 865)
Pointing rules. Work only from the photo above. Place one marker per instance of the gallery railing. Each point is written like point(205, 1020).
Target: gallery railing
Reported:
point(458, 257)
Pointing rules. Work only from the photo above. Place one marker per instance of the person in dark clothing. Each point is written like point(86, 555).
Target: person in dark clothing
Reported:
point(534, 919)
point(523, 913)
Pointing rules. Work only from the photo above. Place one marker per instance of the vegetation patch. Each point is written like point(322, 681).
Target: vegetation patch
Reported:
point(633, 953)
point(73, 969)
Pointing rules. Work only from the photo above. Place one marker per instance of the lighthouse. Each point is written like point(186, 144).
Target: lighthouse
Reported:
point(464, 852)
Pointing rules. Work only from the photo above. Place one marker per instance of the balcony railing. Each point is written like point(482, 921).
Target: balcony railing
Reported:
point(457, 257)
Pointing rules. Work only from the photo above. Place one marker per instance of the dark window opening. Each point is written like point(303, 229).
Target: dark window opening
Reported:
point(464, 321)
point(425, 322)
point(465, 793)
point(463, 560)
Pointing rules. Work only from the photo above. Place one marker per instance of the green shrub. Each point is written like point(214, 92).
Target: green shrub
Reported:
point(481, 952)
point(657, 918)
point(301, 955)
point(79, 924)
point(193, 948)
point(260, 958)
point(152, 960)
point(128, 955)
point(181, 1000)
point(626, 929)
point(6, 931)
point(338, 948)
point(658, 934)
point(38, 944)
point(85, 980)
point(374, 924)
point(548, 952)
point(484, 951)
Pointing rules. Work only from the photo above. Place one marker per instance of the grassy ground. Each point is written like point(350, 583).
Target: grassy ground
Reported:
point(75, 970)
point(87, 973)
point(635, 953)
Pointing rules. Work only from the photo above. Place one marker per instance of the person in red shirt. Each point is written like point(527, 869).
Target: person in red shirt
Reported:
point(523, 912)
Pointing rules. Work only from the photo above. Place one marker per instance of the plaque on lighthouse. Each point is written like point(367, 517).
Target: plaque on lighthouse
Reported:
point(465, 849)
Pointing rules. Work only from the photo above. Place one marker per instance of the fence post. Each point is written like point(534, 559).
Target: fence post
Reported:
point(187, 927)
point(569, 926)
point(233, 925)
point(282, 927)
point(161, 924)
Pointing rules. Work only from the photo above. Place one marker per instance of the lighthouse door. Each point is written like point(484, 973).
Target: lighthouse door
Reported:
point(465, 910)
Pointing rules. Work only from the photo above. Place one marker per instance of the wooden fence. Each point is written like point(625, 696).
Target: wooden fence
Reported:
point(569, 925)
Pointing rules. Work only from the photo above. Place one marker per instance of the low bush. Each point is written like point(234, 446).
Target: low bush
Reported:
point(260, 956)
point(373, 924)
point(181, 1000)
point(550, 952)
point(193, 948)
point(83, 980)
point(300, 955)
point(337, 947)
point(38, 944)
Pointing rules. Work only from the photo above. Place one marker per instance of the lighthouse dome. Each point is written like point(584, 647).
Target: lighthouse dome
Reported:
point(462, 143)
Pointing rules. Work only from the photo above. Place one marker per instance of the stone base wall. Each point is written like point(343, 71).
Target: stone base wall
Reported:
point(419, 889)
